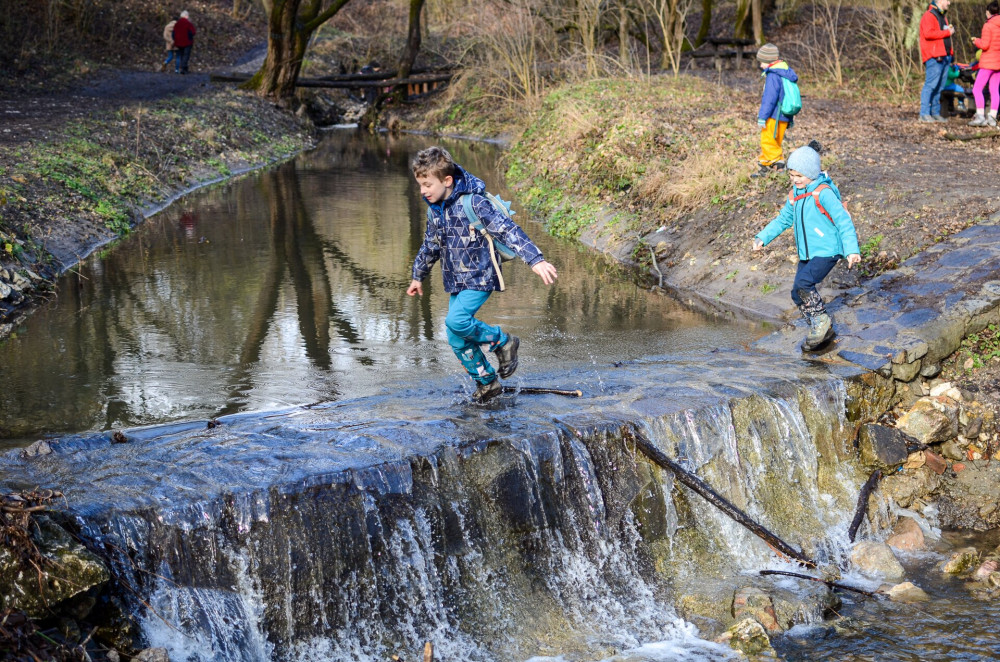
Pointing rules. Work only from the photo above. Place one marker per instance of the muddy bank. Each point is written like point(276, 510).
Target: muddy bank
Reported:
point(71, 184)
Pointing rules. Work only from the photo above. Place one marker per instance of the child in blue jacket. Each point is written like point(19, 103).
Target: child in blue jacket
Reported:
point(770, 119)
point(824, 234)
point(469, 270)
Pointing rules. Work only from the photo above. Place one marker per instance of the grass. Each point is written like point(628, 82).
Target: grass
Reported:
point(676, 145)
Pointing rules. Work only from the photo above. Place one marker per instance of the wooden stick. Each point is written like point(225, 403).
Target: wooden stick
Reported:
point(539, 390)
point(428, 652)
point(974, 136)
point(831, 584)
point(859, 514)
point(701, 487)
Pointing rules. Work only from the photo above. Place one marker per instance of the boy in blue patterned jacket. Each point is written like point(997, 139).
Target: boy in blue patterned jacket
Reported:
point(824, 234)
point(470, 274)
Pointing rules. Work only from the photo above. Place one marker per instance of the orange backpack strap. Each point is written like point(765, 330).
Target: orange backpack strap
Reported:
point(792, 198)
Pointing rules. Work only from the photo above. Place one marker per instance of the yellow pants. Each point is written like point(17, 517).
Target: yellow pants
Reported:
point(770, 142)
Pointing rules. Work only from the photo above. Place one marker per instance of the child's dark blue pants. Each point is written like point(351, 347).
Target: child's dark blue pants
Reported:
point(810, 274)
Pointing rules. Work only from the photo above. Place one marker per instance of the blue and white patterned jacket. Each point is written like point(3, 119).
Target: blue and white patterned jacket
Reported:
point(465, 254)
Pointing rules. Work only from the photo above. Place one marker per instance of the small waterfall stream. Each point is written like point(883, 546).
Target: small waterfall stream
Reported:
point(538, 535)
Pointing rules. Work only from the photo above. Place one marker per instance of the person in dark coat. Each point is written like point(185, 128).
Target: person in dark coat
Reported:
point(184, 40)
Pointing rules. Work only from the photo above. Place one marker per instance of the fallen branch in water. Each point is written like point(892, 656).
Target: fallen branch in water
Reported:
point(859, 514)
point(428, 652)
point(701, 487)
point(538, 390)
point(830, 583)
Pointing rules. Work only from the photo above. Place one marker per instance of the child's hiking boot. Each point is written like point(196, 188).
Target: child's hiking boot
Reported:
point(507, 354)
point(486, 392)
point(762, 171)
point(978, 120)
point(820, 331)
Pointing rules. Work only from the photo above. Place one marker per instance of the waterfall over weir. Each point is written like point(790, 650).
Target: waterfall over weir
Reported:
point(356, 530)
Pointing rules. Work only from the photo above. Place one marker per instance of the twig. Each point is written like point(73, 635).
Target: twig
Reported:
point(859, 514)
point(830, 583)
point(539, 390)
point(698, 485)
point(652, 253)
point(974, 136)
point(428, 652)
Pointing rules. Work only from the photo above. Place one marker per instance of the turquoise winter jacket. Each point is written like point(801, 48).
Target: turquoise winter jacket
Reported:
point(815, 234)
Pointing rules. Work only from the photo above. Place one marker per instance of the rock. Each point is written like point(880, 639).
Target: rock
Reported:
point(152, 655)
point(935, 462)
point(77, 570)
point(876, 559)
point(5, 290)
point(940, 388)
point(931, 370)
point(906, 535)
point(906, 372)
point(905, 488)
point(994, 579)
point(983, 572)
point(751, 602)
point(914, 460)
point(907, 592)
point(961, 561)
point(927, 423)
point(881, 447)
point(749, 637)
point(953, 450)
point(113, 656)
point(973, 418)
point(958, 467)
point(40, 447)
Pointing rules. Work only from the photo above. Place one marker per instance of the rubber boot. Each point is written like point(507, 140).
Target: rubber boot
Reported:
point(486, 392)
point(820, 332)
point(507, 356)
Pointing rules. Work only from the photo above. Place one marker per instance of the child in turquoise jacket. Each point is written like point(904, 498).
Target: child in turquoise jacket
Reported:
point(824, 234)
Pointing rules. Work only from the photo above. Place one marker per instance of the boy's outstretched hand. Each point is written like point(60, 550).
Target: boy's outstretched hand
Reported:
point(853, 259)
point(545, 270)
point(415, 288)
point(757, 244)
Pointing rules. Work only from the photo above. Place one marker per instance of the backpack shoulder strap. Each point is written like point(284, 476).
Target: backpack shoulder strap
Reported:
point(470, 213)
point(792, 198)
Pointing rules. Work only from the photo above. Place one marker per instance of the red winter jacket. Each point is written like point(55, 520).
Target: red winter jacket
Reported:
point(990, 43)
point(183, 33)
point(934, 40)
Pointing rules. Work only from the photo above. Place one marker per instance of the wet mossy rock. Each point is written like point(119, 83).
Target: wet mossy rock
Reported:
point(882, 447)
point(71, 570)
point(869, 396)
point(749, 637)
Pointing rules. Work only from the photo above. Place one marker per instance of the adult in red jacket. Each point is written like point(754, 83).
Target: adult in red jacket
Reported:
point(184, 39)
point(989, 68)
point(936, 52)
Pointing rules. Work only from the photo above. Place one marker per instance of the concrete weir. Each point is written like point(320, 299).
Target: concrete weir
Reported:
point(357, 529)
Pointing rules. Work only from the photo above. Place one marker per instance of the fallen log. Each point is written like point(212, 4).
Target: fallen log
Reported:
point(974, 136)
point(828, 582)
point(702, 488)
point(859, 513)
point(539, 390)
point(341, 84)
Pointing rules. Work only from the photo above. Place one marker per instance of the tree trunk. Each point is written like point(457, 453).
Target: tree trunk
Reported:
point(412, 40)
point(706, 23)
point(291, 24)
point(742, 14)
point(758, 22)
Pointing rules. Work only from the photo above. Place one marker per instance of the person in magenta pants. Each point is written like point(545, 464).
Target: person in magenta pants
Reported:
point(989, 68)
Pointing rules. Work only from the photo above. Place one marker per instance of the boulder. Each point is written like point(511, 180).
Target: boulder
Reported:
point(751, 602)
point(749, 637)
point(907, 592)
point(73, 571)
point(906, 535)
point(928, 423)
point(961, 561)
point(876, 559)
point(881, 447)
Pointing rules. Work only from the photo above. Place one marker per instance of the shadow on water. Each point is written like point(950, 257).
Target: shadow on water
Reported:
point(287, 287)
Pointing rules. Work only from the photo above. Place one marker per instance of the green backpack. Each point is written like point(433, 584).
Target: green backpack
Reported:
point(791, 99)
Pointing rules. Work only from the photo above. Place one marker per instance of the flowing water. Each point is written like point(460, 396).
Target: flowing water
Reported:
point(389, 511)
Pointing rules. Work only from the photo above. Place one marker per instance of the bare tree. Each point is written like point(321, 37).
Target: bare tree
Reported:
point(886, 31)
point(291, 24)
point(670, 16)
point(515, 42)
point(824, 44)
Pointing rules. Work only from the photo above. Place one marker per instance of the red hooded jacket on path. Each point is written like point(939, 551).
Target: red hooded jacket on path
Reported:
point(183, 33)
point(990, 43)
point(933, 37)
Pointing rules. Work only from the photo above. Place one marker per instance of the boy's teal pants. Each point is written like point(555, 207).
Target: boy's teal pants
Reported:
point(466, 334)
